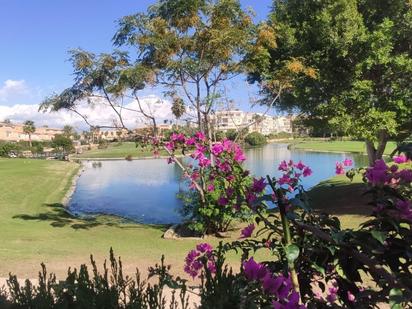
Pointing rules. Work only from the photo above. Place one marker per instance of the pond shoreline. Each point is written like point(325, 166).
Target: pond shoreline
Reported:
point(73, 184)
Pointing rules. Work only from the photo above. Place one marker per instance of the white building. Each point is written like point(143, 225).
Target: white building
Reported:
point(253, 122)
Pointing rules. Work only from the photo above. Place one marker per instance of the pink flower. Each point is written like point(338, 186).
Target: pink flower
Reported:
point(285, 179)
point(239, 156)
point(258, 185)
point(247, 231)
point(405, 209)
point(250, 198)
point(200, 136)
point(307, 171)
point(351, 297)
point(170, 146)
point(204, 247)
point(347, 162)
point(340, 170)
point(253, 270)
point(222, 201)
point(399, 159)
point(190, 141)
point(283, 166)
point(271, 285)
point(217, 149)
point(210, 188)
point(300, 165)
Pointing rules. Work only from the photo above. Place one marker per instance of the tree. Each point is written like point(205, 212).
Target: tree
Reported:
point(68, 131)
point(194, 47)
point(363, 65)
point(29, 128)
point(62, 142)
point(105, 79)
point(178, 107)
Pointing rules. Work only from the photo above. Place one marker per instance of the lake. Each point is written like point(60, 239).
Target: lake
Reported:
point(145, 190)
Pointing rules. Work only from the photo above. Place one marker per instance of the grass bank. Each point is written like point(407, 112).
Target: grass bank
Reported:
point(36, 228)
point(118, 150)
point(338, 146)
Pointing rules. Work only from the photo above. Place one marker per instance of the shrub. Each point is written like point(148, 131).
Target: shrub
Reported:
point(216, 180)
point(90, 289)
point(6, 148)
point(255, 139)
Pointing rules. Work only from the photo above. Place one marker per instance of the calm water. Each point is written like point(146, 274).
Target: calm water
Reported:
point(145, 190)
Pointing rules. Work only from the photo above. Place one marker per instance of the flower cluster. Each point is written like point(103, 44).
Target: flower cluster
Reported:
point(340, 166)
point(382, 174)
point(400, 159)
point(195, 259)
point(292, 173)
point(279, 287)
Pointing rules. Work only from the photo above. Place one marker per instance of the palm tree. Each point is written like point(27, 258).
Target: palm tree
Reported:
point(29, 129)
point(178, 107)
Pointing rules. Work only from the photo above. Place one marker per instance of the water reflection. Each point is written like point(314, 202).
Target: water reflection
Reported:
point(145, 190)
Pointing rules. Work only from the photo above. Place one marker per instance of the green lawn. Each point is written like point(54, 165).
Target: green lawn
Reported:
point(339, 146)
point(35, 228)
point(116, 150)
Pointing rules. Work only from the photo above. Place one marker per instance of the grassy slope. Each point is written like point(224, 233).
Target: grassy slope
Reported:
point(339, 146)
point(35, 228)
point(116, 150)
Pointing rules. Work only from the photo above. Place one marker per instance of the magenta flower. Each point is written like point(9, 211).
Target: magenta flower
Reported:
point(351, 297)
point(300, 165)
point(283, 166)
point(306, 171)
point(405, 209)
point(399, 159)
point(340, 170)
point(217, 149)
point(204, 247)
point(285, 180)
point(239, 156)
point(258, 185)
point(250, 198)
point(170, 146)
point(230, 192)
point(406, 176)
point(190, 141)
point(253, 270)
point(347, 162)
point(222, 201)
point(247, 231)
point(200, 136)
point(271, 285)
point(210, 188)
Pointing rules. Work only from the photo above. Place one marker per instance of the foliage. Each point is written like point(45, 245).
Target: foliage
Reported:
point(91, 289)
point(355, 47)
point(29, 128)
point(315, 263)
point(6, 148)
point(194, 47)
point(216, 181)
point(255, 139)
point(63, 142)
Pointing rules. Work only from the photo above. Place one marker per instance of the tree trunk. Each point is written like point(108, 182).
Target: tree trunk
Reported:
point(30, 141)
point(376, 153)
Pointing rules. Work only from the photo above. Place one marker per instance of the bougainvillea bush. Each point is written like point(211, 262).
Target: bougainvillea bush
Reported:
point(216, 178)
point(314, 263)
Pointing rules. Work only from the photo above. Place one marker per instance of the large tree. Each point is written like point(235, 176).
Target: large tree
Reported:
point(194, 47)
point(29, 128)
point(361, 51)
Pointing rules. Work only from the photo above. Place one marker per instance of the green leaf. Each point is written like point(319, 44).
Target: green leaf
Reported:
point(395, 298)
point(379, 236)
point(292, 252)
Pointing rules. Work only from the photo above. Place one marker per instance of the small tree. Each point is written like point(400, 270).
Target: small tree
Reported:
point(29, 128)
point(63, 143)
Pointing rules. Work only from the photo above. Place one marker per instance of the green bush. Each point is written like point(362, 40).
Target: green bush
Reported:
point(91, 289)
point(255, 139)
point(6, 148)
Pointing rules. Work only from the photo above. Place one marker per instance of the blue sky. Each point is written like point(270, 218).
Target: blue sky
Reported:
point(37, 34)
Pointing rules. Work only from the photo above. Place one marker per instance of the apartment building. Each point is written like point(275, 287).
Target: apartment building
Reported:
point(13, 132)
point(253, 122)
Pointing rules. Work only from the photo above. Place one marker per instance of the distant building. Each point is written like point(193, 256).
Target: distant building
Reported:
point(13, 132)
point(253, 122)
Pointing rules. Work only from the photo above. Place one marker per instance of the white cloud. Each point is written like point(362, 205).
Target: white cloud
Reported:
point(97, 113)
point(12, 89)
